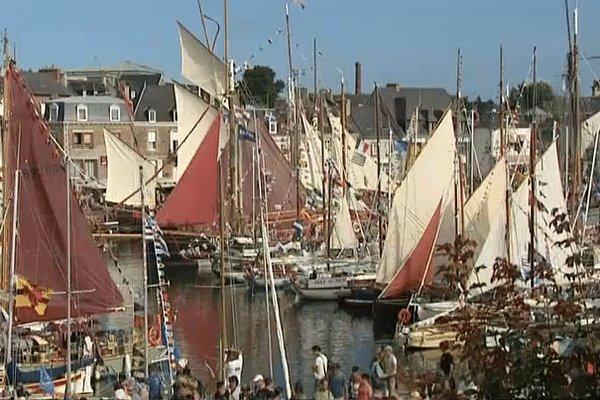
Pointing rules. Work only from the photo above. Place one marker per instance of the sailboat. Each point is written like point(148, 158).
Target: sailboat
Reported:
point(46, 241)
point(417, 216)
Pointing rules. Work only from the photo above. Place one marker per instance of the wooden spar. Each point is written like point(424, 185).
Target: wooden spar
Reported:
point(223, 336)
point(501, 105)
point(343, 137)
point(532, 201)
point(145, 266)
point(377, 199)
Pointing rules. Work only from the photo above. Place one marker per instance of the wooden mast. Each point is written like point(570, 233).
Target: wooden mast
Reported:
point(378, 196)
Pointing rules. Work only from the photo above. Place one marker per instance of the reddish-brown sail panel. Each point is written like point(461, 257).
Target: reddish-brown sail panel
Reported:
point(194, 201)
point(420, 262)
point(280, 176)
point(41, 252)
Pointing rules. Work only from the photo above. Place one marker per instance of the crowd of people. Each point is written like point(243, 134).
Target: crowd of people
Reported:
point(330, 382)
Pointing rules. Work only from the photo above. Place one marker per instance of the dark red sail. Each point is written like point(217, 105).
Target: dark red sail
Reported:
point(41, 252)
point(194, 200)
point(280, 176)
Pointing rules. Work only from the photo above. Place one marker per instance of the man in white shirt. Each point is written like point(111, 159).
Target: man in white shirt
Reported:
point(320, 366)
point(390, 368)
point(233, 364)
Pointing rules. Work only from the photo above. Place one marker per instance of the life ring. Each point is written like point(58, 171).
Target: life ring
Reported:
point(356, 226)
point(154, 336)
point(404, 316)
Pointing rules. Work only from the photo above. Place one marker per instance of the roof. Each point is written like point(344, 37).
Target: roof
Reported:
point(159, 97)
point(91, 99)
point(124, 67)
point(45, 84)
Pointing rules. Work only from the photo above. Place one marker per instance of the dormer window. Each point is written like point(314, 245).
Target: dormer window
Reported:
point(174, 114)
point(115, 113)
point(82, 113)
point(54, 110)
point(151, 115)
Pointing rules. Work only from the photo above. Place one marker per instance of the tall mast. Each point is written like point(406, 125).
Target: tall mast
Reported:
point(145, 266)
point(6, 184)
point(223, 339)
point(292, 111)
point(343, 134)
point(532, 197)
point(377, 199)
point(501, 104)
point(68, 173)
point(575, 111)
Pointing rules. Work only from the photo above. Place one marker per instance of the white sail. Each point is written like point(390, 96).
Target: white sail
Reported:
point(123, 173)
point(342, 236)
point(312, 173)
point(424, 188)
point(360, 177)
point(199, 65)
point(484, 205)
point(549, 196)
point(189, 110)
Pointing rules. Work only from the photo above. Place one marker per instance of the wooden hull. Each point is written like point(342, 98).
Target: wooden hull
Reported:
point(429, 337)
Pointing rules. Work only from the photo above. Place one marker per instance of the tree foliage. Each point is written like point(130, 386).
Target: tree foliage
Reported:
point(261, 85)
point(526, 96)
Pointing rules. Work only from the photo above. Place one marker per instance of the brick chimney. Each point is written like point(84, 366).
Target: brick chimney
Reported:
point(358, 78)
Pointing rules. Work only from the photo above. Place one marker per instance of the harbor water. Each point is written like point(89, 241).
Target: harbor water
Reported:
point(345, 336)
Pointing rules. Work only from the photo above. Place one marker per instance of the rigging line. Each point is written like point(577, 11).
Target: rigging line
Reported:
point(589, 66)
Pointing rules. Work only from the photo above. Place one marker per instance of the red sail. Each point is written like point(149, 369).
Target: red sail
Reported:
point(41, 251)
point(280, 176)
point(420, 262)
point(195, 199)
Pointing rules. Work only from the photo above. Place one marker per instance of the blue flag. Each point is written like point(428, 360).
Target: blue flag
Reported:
point(45, 381)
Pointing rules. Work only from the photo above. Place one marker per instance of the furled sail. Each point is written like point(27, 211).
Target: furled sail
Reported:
point(549, 196)
point(312, 172)
point(417, 207)
point(195, 199)
point(358, 176)
point(342, 236)
point(200, 65)
point(195, 118)
point(41, 250)
point(123, 177)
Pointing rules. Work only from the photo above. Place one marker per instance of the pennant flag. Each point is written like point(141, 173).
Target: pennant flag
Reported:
point(45, 381)
point(32, 295)
point(247, 134)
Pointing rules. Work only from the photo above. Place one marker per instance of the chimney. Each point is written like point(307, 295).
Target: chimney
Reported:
point(358, 78)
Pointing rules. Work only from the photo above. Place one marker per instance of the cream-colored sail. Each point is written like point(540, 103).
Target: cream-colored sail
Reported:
point(484, 205)
point(189, 110)
point(360, 177)
point(123, 173)
point(311, 173)
point(426, 186)
point(200, 65)
point(549, 196)
point(343, 236)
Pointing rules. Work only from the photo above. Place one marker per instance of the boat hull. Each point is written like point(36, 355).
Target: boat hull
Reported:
point(429, 337)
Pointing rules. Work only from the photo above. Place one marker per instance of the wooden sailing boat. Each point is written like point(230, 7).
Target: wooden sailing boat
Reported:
point(39, 249)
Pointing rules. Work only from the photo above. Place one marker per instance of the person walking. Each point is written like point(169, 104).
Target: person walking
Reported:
point(365, 391)
point(337, 383)
point(319, 368)
point(390, 369)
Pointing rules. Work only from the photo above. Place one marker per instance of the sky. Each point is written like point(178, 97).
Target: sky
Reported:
point(410, 42)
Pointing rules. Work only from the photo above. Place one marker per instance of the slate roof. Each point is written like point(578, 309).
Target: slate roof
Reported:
point(159, 97)
point(124, 67)
point(45, 84)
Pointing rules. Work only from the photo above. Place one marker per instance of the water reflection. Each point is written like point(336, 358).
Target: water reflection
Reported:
point(345, 337)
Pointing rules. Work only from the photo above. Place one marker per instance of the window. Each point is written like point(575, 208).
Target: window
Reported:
point(174, 141)
point(82, 113)
point(54, 109)
point(151, 115)
point(115, 113)
point(174, 114)
point(152, 140)
point(77, 169)
point(91, 169)
point(83, 139)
